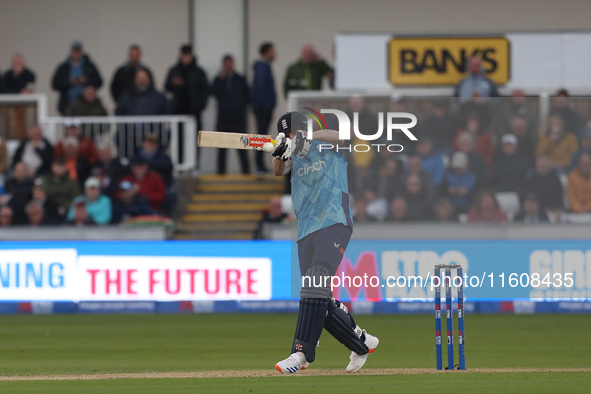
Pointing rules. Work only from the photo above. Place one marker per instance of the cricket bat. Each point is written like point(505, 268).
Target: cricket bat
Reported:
point(219, 139)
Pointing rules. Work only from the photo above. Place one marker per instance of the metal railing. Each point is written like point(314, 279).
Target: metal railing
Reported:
point(177, 134)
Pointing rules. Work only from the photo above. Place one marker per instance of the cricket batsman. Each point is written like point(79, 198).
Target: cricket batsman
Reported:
point(321, 203)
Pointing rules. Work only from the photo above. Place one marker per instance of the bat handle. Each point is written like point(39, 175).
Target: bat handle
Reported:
point(274, 142)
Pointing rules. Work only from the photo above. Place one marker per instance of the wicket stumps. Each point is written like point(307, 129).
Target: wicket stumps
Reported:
point(459, 284)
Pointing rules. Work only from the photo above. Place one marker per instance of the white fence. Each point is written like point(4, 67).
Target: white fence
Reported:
point(177, 134)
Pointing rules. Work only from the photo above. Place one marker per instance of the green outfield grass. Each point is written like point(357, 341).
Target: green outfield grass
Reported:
point(108, 344)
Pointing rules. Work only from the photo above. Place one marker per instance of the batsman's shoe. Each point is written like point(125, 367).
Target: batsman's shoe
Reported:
point(357, 360)
point(292, 364)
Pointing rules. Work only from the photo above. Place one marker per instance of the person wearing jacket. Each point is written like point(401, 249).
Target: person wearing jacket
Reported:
point(19, 79)
point(124, 77)
point(557, 143)
point(188, 84)
point(158, 161)
point(129, 204)
point(86, 147)
point(307, 73)
point(579, 185)
point(35, 151)
point(98, 206)
point(231, 91)
point(146, 183)
point(60, 186)
point(475, 84)
point(87, 104)
point(262, 95)
point(70, 76)
point(509, 168)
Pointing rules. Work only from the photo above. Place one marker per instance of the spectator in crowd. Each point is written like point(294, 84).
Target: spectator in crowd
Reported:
point(444, 211)
point(476, 163)
point(35, 214)
point(98, 206)
point(77, 165)
point(6, 214)
point(573, 121)
point(399, 210)
point(556, 143)
point(579, 186)
point(367, 125)
point(19, 188)
point(509, 168)
point(475, 84)
point(19, 79)
point(35, 151)
point(124, 77)
point(360, 211)
point(526, 145)
point(111, 169)
point(3, 158)
point(431, 161)
point(584, 147)
point(486, 209)
point(143, 99)
point(231, 92)
point(439, 127)
point(415, 167)
point(50, 207)
point(262, 95)
point(146, 183)
point(531, 212)
point(81, 217)
point(59, 186)
point(484, 143)
point(188, 84)
point(307, 73)
point(87, 104)
point(71, 76)
point(518, 107)
point(460, 182)
point(272, 214)
point(382, 183)
point(545, 183)
point(158, 161)
point(418, 200)
point(129, 203)
point(86, 146)
point(380, 186)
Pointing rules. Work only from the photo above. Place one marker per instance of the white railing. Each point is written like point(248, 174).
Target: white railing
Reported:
point(177, 134)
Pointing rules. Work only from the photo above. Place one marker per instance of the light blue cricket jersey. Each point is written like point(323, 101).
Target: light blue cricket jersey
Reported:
point(319, 190)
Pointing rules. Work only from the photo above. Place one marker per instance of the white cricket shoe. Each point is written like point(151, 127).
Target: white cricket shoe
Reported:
point(293, 363)
point(357, 361)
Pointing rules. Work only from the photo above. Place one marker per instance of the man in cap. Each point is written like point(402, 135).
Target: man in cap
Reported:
point(98, 206)
point(129, 204)
point(70, 76)
point(321, 202)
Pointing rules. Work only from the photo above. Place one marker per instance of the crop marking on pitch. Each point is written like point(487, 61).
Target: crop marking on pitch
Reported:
point(273, 373)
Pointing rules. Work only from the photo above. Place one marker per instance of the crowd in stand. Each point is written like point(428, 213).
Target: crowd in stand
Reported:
point(472, 149)
point(77, 183)
point(468, 150)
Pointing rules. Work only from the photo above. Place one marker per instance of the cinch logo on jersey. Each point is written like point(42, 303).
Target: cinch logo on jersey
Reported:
point(391, 120)
point(314, 167)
